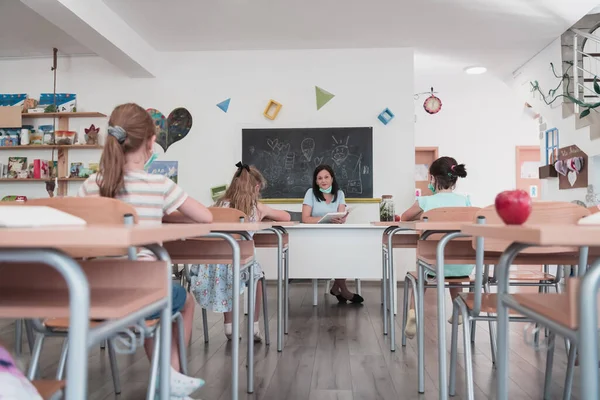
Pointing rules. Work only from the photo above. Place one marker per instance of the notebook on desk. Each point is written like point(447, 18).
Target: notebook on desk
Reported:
point(36, 217)
point(592, 219)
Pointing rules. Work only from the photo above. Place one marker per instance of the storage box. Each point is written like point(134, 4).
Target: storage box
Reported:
point(10, 117)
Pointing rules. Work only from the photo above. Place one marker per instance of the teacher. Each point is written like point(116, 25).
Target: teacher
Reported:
point(326, 197)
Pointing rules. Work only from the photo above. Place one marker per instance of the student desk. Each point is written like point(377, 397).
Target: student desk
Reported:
point(74, 294)
point(186, 255)
point(585, 308)
point(325, 251)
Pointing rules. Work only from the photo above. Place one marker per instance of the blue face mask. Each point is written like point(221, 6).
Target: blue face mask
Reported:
point(328, 190)
point(150, 160)
point(431, 187)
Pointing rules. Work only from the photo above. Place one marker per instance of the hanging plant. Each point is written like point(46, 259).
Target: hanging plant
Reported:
point(588, 107)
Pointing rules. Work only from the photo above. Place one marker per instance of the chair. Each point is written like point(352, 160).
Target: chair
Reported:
point(112, 212)
point(216, 251)
point(471, 305)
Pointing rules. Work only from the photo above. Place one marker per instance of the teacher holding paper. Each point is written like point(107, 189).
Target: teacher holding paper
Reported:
point(326, 197)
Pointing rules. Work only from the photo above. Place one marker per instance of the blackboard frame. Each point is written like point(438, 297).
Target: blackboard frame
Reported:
point(287, 157)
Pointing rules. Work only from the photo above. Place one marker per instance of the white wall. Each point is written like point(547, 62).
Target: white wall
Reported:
point(364, 83)
point(538, 68)
point(480, 123)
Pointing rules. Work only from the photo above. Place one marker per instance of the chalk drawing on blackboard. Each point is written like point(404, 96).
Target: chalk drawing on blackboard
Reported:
point(252, 149)
point(308, 147)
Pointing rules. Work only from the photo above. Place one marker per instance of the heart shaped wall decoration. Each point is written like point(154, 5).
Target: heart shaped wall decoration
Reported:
point(172, 129)
point(572, 177)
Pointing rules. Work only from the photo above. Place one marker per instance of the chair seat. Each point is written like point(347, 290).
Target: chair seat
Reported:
point(62, 324)
point(269, 240)
point(493, 258)
point(401, 241)
point(467, 279)
point(48, 388)
point(489, 302)
point(534, 276)
point(557, 307)
point(208, 251)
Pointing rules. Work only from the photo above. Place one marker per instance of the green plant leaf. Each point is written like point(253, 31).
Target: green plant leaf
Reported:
point(584, 113)
point(596, 86)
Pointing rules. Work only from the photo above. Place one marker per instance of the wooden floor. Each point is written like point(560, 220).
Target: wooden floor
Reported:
point(332, 352)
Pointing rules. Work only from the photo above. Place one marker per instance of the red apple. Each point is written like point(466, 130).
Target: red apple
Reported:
point(397, 218)
point(513, 206)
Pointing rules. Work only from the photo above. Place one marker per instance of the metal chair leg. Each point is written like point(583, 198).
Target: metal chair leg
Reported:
point(18, 337)
point(152, 385)
point(35, 356)
point(549, 364)
point(30, 334)
point(453, 350)
point(205, 325)
point(114, 369)
point(404, 312)
point(468, 355)
point(491, 329)
point(473, 323)
point(181, 344)
point(62, 362)
point(570, 372)
point(358, 287)
point(265, 310)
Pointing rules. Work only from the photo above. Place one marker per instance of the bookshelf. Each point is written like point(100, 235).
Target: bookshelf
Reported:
point(62, 150)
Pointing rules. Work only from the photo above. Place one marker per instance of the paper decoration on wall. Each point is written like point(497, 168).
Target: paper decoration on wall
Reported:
point(530, 111)
point(217, 191)
point(386, 116)
point(272, 109)
point(572, 168)
point(323, 97)
point(533, 191)
point(172, 129)
point(224, 105)
point(167, 168)
point(592, 198)
point(91, 134)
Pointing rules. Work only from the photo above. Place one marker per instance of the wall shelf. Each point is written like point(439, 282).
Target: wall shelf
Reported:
point(24, 180)
point(51, 146)
point(63, 115)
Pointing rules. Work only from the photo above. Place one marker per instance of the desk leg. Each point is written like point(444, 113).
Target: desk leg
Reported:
point(286, 297)
point(502, 273)
point(315, 283)
point(251, 304)
point(384, 284)
point(420, 327)
point(279, 290)
point(588, 331)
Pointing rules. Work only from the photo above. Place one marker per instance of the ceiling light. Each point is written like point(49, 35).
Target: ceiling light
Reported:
point(475, 70)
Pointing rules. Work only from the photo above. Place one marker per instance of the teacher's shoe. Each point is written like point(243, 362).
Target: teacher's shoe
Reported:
point(357, 298)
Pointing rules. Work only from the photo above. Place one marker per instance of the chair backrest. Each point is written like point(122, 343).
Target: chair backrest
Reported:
point(542, 212)
point(226, 214)
point(94, 210)
point(457, 247)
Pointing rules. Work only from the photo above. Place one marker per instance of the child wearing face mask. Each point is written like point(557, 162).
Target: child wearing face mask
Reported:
point(444, 173)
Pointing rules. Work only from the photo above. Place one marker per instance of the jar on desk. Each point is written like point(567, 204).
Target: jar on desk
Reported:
point(386, 208)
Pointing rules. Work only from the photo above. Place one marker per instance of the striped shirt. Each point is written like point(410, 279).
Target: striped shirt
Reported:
point(151, 195)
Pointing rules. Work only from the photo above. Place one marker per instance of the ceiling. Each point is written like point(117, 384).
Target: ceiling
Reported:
point(499, 34)
point(24, 33)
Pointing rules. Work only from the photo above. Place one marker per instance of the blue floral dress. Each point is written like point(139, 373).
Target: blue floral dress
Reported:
point(212, 284)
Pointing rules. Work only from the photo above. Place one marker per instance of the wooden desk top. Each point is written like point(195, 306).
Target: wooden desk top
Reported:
point(98, 236)
point(238, 226)
point(540, 235)
point(423, 226)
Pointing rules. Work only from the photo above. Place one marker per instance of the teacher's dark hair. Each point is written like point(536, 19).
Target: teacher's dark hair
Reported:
point(334, 185)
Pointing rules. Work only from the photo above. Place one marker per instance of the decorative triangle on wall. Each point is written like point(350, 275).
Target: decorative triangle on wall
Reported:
point(224, 105)
point(323, 97)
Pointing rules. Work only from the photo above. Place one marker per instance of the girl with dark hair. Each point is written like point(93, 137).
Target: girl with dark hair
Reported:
point(443, 175)
point(326, 197)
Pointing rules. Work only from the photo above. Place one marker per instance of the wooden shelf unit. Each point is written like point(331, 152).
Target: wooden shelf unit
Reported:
point(63, 150)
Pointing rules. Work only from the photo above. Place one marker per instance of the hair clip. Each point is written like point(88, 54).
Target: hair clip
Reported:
point(240, 168)
point(118, 133)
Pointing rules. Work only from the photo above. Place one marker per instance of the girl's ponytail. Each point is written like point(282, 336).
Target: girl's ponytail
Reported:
point(111, 178)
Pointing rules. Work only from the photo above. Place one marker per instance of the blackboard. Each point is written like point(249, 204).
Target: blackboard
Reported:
point(287, 158)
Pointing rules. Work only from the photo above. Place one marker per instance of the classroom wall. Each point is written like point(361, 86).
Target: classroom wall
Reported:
point(538, 68)
point(480, 123)
point(364, 83)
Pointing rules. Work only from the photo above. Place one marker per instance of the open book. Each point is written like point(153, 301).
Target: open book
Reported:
point(592, 219)
point(327, 218)
point(36, 217)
